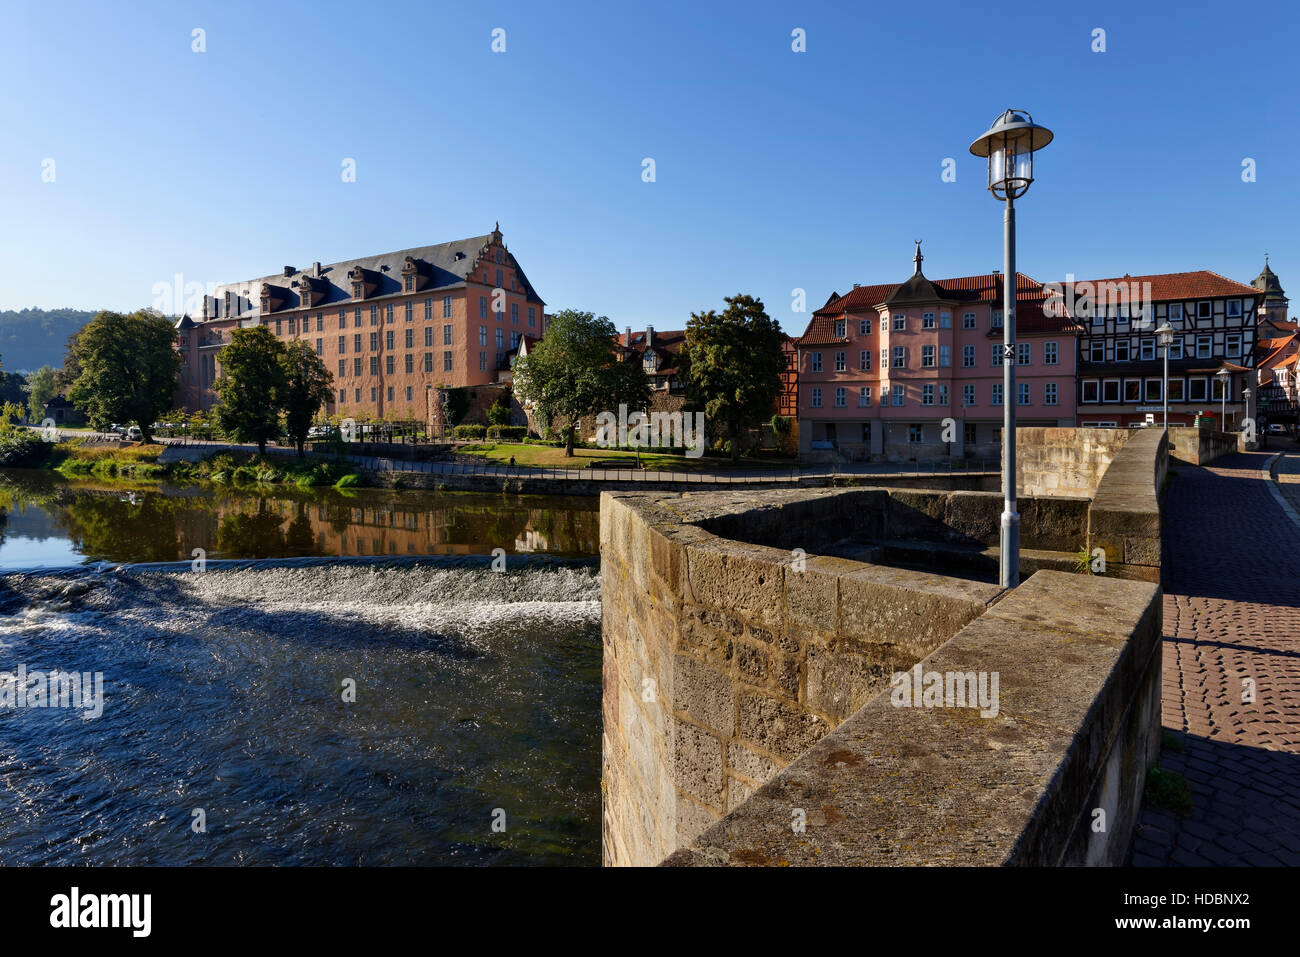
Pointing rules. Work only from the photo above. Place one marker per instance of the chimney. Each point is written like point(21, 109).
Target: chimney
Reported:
point(288, 271)
point(649, 336)
point(627, 337)
point(315, 269)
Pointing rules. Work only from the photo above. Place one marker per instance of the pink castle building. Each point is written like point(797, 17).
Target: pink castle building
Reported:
point(913, 370)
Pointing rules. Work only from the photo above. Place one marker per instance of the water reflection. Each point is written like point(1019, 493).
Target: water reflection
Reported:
point(55, 521)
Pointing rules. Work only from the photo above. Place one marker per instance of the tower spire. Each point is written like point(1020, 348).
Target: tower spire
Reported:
point(918, 258)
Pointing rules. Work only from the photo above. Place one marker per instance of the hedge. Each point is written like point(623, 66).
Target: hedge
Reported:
point(508, 433)
point(470, 431)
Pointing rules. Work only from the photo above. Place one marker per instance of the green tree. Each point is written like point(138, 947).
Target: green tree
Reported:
point(41, 388)
point(307, 386)
point(127, 366)
point(576, 370)
point(251, 385)
point(734, 364)
point(498, 412)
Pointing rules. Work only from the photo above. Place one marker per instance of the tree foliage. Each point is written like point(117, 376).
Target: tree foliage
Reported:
point(308, 385)
point(42, 386)
point(126, 368)
point(576, 370)
point(252, 386)
point(733, 366)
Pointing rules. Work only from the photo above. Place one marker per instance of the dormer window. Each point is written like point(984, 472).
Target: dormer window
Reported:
point(649, 360)
point(266, 303)
point(408, 283)
point(839, 328)
point(356, 290)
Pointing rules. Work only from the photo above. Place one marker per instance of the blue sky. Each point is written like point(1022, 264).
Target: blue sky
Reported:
point(775, 170)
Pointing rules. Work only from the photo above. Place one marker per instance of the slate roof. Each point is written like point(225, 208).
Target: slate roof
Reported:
point(447, 264)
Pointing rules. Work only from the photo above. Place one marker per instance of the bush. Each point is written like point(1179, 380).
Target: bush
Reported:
point(507, 433)
point(470, 431)
point(23, 449)
point(348, 481)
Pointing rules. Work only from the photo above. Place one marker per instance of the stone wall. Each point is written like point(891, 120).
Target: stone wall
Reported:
point(723, 660)
point(1077, 727)
point(1065, 462)
point(1124, 519)
point(1200, 446)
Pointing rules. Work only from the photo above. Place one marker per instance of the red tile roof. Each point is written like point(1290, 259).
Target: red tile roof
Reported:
point(987, 288)
point(1198, 284)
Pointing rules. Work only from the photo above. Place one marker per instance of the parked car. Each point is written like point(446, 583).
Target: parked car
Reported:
point(134, 434)
point(1276, 428)
point(321, 431)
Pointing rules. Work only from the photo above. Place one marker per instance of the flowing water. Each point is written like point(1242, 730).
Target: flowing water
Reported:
point(473, 736)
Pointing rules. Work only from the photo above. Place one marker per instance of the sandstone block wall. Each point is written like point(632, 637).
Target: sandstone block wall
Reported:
point(724, 661)
point(1200, 446)
point(1124, 519)
point(1065, 461)
point(1078, 726)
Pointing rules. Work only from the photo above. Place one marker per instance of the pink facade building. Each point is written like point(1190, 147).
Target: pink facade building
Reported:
point(913, 370)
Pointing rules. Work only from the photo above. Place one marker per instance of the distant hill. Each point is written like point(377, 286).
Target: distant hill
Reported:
point(31, 338)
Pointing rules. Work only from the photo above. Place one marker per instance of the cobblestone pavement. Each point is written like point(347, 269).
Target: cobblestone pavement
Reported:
point(1231, 617)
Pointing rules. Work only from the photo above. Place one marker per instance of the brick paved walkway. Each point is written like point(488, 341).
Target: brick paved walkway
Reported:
point(1232, 611)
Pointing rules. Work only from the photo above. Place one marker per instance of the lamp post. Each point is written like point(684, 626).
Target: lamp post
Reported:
point(1246, 416)
point(1165, 334)
point(1009, 145)
point(1224, 377)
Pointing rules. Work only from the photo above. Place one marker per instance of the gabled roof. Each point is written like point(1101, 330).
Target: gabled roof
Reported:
point(1275, 347)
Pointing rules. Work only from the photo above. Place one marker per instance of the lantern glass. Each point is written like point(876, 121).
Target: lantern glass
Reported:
point(1166, 334)
point(1011, 167)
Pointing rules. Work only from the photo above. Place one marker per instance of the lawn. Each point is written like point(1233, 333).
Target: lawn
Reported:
point(546, 456)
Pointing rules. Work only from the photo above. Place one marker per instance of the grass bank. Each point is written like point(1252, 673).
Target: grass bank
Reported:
point(136, 463)
point(548, 456)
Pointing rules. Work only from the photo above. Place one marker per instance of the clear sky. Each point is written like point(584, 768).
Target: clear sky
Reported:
point(775, 170)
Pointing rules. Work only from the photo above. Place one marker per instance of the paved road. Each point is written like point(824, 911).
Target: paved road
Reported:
point(1232, 616)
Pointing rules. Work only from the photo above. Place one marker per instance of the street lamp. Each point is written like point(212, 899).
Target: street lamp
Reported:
point(1165, 334)
point(1245, 395)
point(1224, 376)
point(1009, 145)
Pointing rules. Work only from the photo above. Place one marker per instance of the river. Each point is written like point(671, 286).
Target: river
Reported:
point(386, 709)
